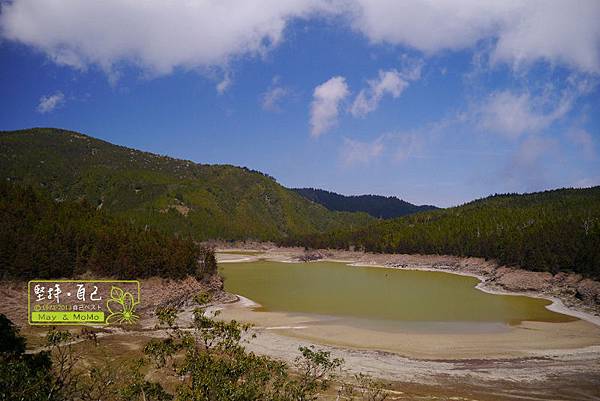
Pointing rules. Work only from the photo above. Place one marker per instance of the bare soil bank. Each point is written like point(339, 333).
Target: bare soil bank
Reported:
point(534, 361)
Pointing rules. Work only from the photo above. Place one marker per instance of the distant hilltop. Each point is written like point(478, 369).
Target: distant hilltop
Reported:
point(384, 207)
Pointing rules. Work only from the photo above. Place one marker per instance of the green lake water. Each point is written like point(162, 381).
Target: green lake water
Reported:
point(339, 290)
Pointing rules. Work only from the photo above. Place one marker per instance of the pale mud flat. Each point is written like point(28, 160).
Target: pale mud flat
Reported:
point(558, 360)
point(524, 340)
point(533, 361)
point(235, 258)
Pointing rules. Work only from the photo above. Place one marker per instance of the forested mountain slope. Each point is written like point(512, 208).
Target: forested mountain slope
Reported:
point(556, 230)
point(384, 207)
point(204, 201)
point(42, 238)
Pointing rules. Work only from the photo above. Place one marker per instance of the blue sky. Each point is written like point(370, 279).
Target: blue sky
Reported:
point(436, 103)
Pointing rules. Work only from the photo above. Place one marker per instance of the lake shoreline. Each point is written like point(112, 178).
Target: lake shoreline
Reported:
point(556, 305)
point(533, 356)
point(524, 340)
point(494, 279)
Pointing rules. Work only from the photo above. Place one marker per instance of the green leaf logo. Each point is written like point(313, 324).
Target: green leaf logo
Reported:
point(121, 306)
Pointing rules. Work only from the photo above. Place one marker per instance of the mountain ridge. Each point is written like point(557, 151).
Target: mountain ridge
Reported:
point(204, 201)
point(383, 207)
point(554, 230)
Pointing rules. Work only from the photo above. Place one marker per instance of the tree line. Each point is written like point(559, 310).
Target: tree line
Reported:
point(383, 207)
point(550, 231)
point(43, 238)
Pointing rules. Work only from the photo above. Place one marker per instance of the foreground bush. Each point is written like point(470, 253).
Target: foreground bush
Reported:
point(207, 360)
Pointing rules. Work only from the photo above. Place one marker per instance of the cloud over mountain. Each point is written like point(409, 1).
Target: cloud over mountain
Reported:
point(522, 32)
point(50, 102)
point(387, 83)
point(325, 106)
point(159, 36)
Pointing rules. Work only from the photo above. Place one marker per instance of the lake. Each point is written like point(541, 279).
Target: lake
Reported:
point(379, 294)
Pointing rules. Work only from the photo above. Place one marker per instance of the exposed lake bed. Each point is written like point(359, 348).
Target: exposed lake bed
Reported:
point(557, 356)
point(419, 314)
point(468, 360)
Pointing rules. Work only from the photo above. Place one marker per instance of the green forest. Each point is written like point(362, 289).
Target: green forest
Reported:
point(178, 196)
point(383, 207)
point(42, 238)
point(73, 202)
point(552, 231)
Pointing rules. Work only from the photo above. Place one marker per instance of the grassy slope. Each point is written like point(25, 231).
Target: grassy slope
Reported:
point(222, 201)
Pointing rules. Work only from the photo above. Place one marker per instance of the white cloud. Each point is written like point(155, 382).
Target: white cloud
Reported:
point(224, 84)
point(324, 108)
point(392, 146)
point(532, 149)
point(272, 98)
point(526, 170)
point(411, 67)
point(526, 31)
point(274, 95)
point(584, 140)
point(361, 152)
point(561, 32)
point(425, 25)
point(408, 145)
point(514, 114)
point(156, 35)
point(159, 36)
point(50, 102)
point(367, 100)
point(587, 182)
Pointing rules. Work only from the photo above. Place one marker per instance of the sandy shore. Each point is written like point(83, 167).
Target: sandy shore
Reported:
point(525, 340)
point(531, 361)
point(526, 353)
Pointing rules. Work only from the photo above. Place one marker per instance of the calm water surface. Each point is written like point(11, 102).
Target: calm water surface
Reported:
point(339, 290)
